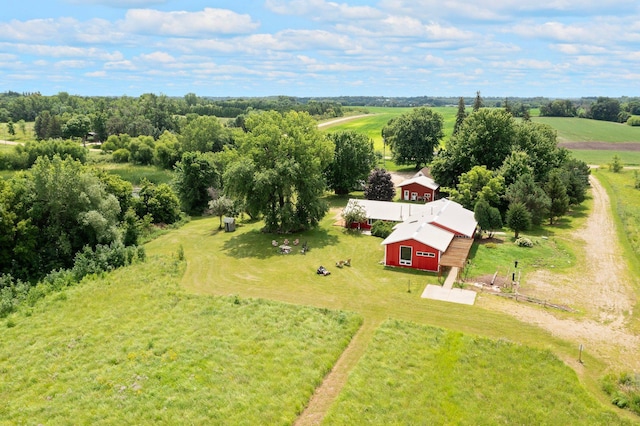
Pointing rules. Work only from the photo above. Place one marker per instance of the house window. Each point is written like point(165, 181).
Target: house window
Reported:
point(414, 196)
point(370, 221)
point(405, 255)
point(425, 254)
point(406, 194)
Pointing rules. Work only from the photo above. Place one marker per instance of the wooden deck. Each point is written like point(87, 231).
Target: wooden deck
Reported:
point(457, 253)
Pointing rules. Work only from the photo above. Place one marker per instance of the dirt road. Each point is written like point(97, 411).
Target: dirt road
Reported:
point(599, 289)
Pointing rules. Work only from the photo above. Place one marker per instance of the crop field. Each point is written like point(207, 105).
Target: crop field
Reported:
point(585, 130)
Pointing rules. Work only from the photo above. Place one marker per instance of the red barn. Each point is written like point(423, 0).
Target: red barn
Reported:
point(421, 241)
point(419, 188)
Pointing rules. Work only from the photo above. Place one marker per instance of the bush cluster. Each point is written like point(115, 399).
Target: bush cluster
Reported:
point(14, 292)
point(524, 242)
point(624, 390)
point(633, 121)
point(381, 229)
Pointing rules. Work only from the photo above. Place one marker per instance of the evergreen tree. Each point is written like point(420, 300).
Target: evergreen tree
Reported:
point(557, 192)
point(479, 103)
point(518, 218)
point(460, 115)
point(526, 191)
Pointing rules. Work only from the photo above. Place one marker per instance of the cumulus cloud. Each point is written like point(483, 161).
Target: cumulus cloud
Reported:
point(119, 3)
point(323, 10)
point(188, 24)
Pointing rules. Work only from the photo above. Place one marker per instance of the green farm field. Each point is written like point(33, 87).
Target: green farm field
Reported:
point(585, 130)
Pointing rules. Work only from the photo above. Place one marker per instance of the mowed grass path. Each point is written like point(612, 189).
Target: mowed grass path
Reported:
point(134, 348)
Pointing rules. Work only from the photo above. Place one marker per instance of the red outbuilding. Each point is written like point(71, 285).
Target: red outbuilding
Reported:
point(419, 188)
point(443, 229)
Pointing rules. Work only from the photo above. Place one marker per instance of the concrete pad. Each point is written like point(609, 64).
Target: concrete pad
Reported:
point(453, 295)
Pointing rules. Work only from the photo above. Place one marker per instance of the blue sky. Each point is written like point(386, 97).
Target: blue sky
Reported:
point(551, 48)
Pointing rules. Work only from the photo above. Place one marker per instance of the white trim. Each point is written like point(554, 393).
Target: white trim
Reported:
point(405, 262)
point(406, 195)
point(425, 254)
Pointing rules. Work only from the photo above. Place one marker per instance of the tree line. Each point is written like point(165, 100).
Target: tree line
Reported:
point(602, 108)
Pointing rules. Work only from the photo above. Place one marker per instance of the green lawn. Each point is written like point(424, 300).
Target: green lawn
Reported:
point(413, 374)
point(135, 174)
point(134, 348)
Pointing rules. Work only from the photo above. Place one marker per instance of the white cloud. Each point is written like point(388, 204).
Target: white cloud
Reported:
point(96, 74)
point(44, 50)
point(323, 10)
point(188, 24)
point(160, 57)
point(119, 3)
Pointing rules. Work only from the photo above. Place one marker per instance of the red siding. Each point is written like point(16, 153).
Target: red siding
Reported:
point(420, 192)
point(362, 225)
point(392, 256)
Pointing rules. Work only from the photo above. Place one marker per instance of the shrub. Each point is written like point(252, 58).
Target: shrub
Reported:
point(524, 242)
point(381, 229)
point(121, 155)
point(634, 121)
point(624, 390)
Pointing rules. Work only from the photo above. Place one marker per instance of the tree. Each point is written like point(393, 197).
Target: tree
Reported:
point(488, 217)
point(516, 164)
point(354, 213)
point(279, 172)
point(352, 161)
point(616, 165)
point(77, 126)
point(68, 207)
point(195, 174)
point(379, 186)
point(526, 191)
point(478, 103)
point(606, 109)
point(557, 193)
point(460, 115)
point(204, 134)
point(576, 177)
point(414, 136)
point(478, 183)
point(485, 138)
point(518, 218)
point(221, 206)
point(158, 201)
point(10, 128)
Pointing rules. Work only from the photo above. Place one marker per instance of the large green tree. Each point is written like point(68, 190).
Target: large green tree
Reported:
point(518, 218)
point(353, 159)
point(478, 183)
point(204, 134)
point(195, 175)
point(414, 136)
point(279, 172)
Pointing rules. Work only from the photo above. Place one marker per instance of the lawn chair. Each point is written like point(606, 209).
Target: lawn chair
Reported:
point(340, 264)
point(347, 262)
point(296, 242)
point(274, 243)
point(322, 271)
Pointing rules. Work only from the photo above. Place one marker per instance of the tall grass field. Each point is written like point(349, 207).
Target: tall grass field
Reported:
point(133, 348)
point(414, 374)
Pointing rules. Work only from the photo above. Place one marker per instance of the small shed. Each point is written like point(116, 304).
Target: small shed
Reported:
point(419, 188)
point(229, 224)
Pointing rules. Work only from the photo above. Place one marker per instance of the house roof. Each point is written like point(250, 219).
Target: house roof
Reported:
point(420, 231)
point(386, 210)
point(435, 225)
point(420, 180)
point(453, 216)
